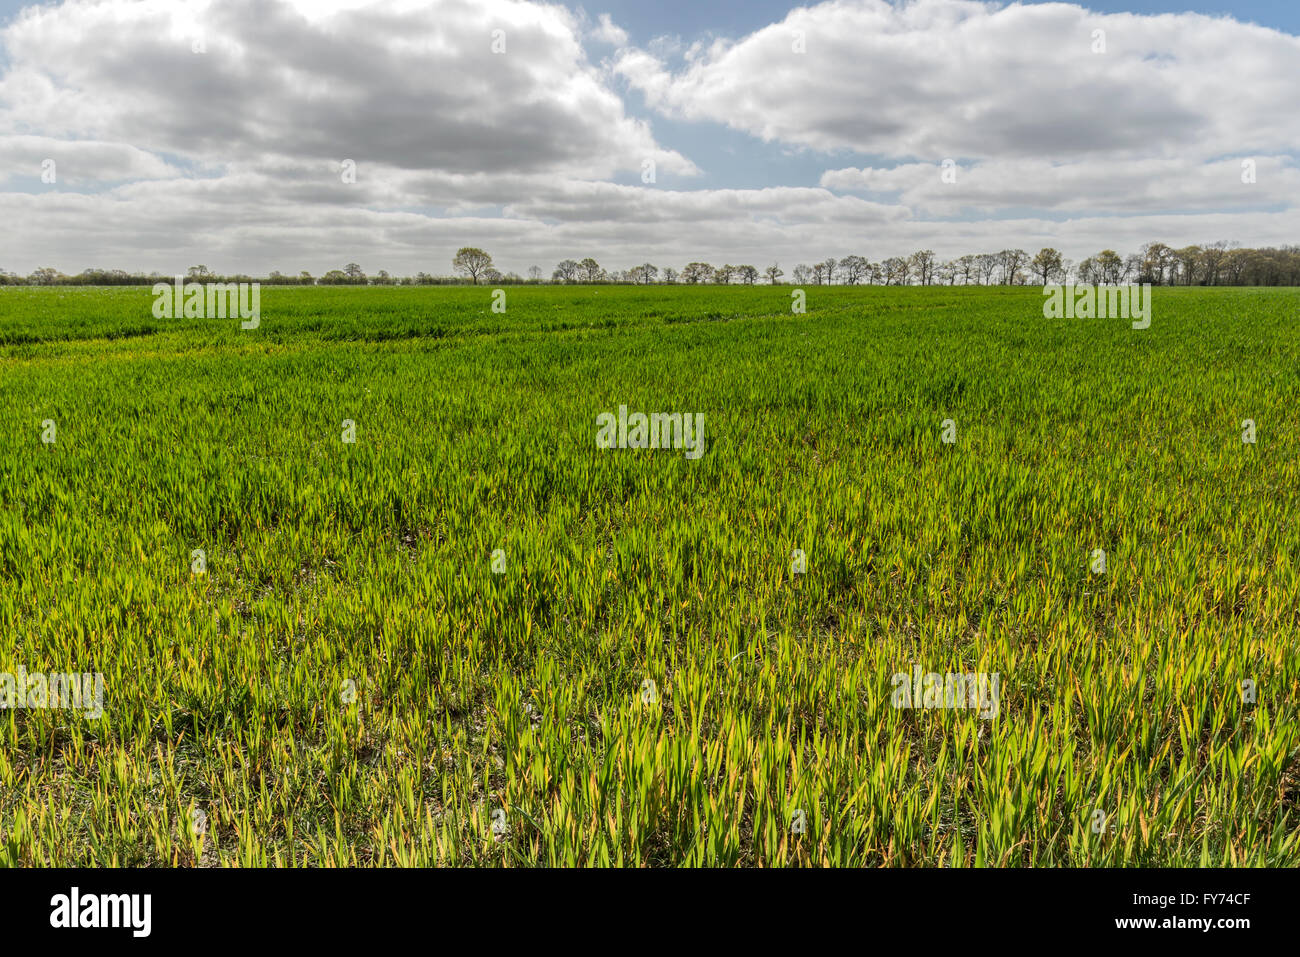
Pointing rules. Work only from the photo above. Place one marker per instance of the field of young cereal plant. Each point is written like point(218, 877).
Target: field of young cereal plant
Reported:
point(277, 547)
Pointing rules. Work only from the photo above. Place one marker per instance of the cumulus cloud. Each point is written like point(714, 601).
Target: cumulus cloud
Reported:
point(458, 85)
point(957, 78)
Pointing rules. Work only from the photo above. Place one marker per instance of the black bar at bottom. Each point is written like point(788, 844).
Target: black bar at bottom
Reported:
point(337, 907)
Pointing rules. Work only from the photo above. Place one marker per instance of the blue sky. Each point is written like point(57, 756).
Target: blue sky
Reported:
point(645, 20)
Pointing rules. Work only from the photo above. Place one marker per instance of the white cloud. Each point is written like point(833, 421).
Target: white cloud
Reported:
point(607, 31)
point(80, 161)
point(231, 156)
point(938, 78)
point(1097, 185)
point(402, 83)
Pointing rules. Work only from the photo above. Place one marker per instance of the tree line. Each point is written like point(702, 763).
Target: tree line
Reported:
point(1213, 264)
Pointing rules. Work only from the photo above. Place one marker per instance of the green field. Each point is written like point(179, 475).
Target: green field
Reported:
point(348, 681)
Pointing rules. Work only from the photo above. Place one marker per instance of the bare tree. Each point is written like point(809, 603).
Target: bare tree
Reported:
point(896, 271)
point(471, 261)
point(645, 274)
point(853, 269)
point(922, 263)
point(697, 273)
point(1012, 261)
point(565, 271)
point(773, 273)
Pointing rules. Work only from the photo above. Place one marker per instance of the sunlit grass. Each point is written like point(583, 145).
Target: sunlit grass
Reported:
point(332, 566)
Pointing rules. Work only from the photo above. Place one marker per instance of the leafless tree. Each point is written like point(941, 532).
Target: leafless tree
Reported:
point(922, 264)
point(469, 261)
point(645, 274)
point(697, 273)
point(853, 269)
